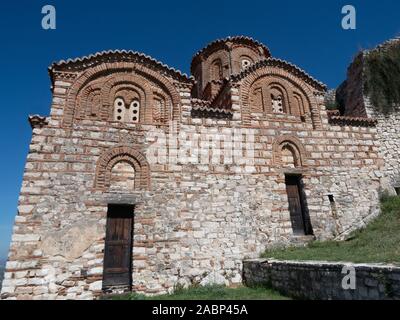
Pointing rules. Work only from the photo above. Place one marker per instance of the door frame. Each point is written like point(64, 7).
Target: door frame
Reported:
point(131, 208)
point(307, 226)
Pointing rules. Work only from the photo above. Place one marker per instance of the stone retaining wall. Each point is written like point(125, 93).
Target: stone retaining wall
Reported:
point(323, 280)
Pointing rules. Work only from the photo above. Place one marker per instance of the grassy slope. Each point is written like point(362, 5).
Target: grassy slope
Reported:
point(378, 242)
point(211, 293)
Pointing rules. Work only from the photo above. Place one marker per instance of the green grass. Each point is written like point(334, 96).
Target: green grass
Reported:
point(210, 293)
point(378, 242)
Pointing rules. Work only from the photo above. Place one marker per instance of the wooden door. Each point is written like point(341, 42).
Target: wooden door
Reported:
point(295, 204)
point(118, 247)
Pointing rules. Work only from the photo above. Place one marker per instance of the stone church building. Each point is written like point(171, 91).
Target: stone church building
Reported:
point(142, 178)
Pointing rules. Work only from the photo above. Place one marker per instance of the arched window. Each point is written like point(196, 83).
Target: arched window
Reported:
point(119, 109)
point(159, 109)
point(134, 111)
point(257, 100)
point(289, 152)
point(126, 113)
point(245, 62)
point(278, 103)
point(216, 70)
point(94, 102)
point(288, 155)
point(122, 177)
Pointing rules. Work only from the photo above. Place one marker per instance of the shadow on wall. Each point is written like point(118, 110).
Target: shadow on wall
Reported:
point(2, 269)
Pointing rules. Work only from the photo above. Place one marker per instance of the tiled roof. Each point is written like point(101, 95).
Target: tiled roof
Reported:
point(335, 118)
point(282, 64)
point(200, 103)
point(37, 121)
point(235, 39)
point(116, 56)
point(352, 121)
point(204, 107)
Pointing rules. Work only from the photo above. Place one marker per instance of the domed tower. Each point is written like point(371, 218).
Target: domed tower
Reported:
point(222, 58)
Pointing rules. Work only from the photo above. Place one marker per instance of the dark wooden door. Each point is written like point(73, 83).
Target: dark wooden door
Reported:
point(118, 247)
point(295, 204)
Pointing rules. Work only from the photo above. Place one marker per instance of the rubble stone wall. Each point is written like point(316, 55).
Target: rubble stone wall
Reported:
point(324, 280)
point(355, 102)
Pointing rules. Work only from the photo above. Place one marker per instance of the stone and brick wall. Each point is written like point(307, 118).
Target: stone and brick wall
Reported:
point(193, 221)
point(323, 280)
point(388, 134)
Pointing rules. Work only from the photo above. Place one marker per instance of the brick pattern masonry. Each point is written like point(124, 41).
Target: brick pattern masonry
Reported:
point(193, 223)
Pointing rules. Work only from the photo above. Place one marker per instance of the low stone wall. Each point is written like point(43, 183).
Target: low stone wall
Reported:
point(323, 280)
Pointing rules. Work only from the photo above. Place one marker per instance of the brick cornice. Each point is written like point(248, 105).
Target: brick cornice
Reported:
point(90, 61)
point(37, 121)
point(352, 121)
point(282, 64)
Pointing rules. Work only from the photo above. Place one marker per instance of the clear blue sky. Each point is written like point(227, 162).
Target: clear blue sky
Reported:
point(306, 33)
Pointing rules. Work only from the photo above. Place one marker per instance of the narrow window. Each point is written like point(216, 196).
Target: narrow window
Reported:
point(134, 110)
point(245, 63)
point(277, 103)
point(216, 70)
point(119, 110)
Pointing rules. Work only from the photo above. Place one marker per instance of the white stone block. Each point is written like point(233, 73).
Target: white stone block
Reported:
point(214, 278)
point(93, 271)
point(25, 209)
point(25, 237)
point(8, 290)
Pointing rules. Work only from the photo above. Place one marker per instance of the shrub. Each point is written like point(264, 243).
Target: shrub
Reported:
point(382, 80)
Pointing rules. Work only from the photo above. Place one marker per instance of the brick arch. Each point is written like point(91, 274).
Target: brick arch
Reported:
point(222, 57)
point(277, 73)
point(122, 154)
point(106, 69)
point(293, 143)
point(82, 102)
point(242, 50)
point(301, 100)
point(216, 69)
